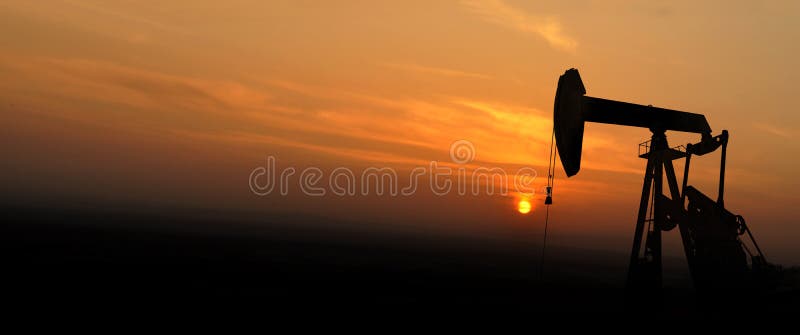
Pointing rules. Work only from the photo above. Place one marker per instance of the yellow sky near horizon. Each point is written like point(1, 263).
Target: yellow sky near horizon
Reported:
point(122, 97)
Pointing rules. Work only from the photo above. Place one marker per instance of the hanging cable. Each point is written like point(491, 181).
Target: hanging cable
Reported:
point(544, 242)
point(551, 167)
point(549, 198)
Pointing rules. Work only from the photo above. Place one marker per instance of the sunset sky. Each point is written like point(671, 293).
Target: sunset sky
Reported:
point(173, 104)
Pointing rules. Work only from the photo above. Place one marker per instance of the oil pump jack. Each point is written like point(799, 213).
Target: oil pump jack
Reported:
point(714, 239)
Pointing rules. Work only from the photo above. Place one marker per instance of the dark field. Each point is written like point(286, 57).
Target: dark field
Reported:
point(75, 259)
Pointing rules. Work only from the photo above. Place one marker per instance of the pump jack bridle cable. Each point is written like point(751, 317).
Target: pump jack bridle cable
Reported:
point(544, 243)
point(550, 176)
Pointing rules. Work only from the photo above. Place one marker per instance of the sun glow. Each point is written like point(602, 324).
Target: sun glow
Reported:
point(524, 206)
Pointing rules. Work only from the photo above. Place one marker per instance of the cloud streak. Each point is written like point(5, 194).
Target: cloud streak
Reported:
point(777, 131)
point(93, 81)
point(436, 71)
point(354, 125)
point(500, 13)
point(104, 10)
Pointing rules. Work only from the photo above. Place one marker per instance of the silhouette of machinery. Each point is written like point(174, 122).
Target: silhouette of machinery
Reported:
point(715, 240)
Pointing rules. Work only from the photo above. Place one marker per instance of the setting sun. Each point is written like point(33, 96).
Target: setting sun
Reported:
point(524, 206)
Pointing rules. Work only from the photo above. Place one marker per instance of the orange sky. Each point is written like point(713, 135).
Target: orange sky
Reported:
point(175, 103)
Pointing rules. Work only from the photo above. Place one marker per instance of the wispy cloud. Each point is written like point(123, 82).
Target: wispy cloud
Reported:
point(354, 125)
point(101, 81)
point(546, 27)
point(129, 22)
point(777, 131)
point(103, 9)
point(436, 71)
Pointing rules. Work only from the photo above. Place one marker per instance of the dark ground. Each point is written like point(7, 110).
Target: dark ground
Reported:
point(73, 260)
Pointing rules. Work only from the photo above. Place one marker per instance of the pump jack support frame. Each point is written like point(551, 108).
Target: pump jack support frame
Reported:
point(645, 267)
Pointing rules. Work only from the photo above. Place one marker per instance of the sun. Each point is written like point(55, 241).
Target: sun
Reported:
point(524, 206)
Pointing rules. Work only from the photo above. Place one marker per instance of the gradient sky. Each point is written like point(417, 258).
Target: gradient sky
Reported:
point(140, 103)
